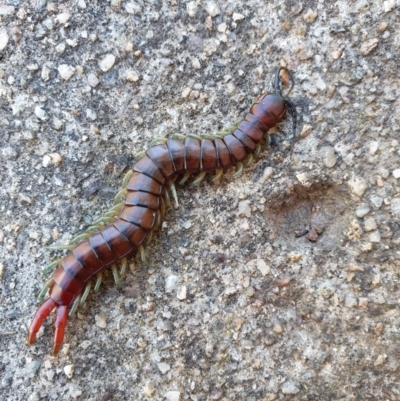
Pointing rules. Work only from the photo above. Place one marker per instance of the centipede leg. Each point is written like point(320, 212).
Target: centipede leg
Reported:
point(239, 170)
point(217, 175)
point(248, 161)
point(184, 178)
point(75, 306)
point(167, 198)
point(85, 293)
point(157, 222)
point(120, 195)
point(44, 290)
point(41, 314)
point(51, 266)
point(126, 178)
point(61, 322)
point(198, 179)
point(142, 254)
point(257, 151)
point(115, 275)
point(162, 207)
point(124, 265)
point(172, 188)
point(99, 279)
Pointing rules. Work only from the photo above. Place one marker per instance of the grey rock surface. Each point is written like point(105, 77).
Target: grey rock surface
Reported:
point(236, 302)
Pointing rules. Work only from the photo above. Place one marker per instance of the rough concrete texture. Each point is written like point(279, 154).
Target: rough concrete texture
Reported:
point(235, 304)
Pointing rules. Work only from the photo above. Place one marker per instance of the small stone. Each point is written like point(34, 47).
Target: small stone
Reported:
point(32, 369)
point(350, 301)
point(362, 210)
point(63, 18)
point(132, 76)
point(171, 283)
point(237, 17)
point(369, 46)
point(82, 4)
point(9, 152)
point(396, 173)
point(305, 131)
point(310, 16)
point(312, 235)
point(370, 224)
point(164, 367)
point(389, 5)
point(149, 391)
point(107, 62)
point(3, 39)
point(230, 291)
point(375, 237)
point(237, 323)
point(376, 202)
point(91, 115)
point(373, 147)
point(93, 81)
point(100, 321)
point(303, 179)
point(191, 8)
point(363, 302)
point(72, 42)
point(357, 185)
point(133, 8)
point(41, 114)
point(60, 48)
point(244, 208)
point(182, 293)
point(380, 360)
point(328, 156)
point(222, 27)
point(56, 158)
point(85, 344)
point(186, 224)
point(395, 206)
point(45, 74)
point(6, 10)
point(69, 370)
point(57, 124)
point(212, 8)
point(290, 388)
point(336, 54)
point(263, 267)
point(173, 396)
point(267, 174)
point(309, 87)
point(66, 71)
point(186, 92)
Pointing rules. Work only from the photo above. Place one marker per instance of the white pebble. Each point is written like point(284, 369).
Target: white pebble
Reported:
point(69, 370)
point(303, 179)
point(370, 224)
point(63, 18)
point(187, 224)
point(373, 147)
point(263, 267)
point(45, 74)
point(170, 283)
point(133, 8)
point(164, 367)
point(357, 185)
point(290, 388)
point(212, 8)
point(107, 63)
point(100, 321)
point(91, 115)
point(237, 17)
point(244, 208)
point(41, 114)
point(376, 202)
point(57, 124)
point(396, 173)
point(267, 174)
point(375, 237)
point(328, 156)
point(132, 76)
point(173, 395)
point(60, 48)
point(93, 81)
point(395, 206)
point(3, 39)
point(72, 42)
point(182, 293)
point(47, 161)
point(362, 210)
point(310, 16)
point(66, 71)
point(389, 5)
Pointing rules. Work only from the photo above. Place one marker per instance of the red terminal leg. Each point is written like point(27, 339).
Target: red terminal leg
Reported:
point(61, 322)
point(41, 314)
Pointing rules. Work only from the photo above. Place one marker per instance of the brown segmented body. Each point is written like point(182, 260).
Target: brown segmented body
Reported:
point(145, 196)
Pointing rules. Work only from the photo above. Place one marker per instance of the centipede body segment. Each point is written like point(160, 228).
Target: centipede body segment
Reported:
point(132, 222)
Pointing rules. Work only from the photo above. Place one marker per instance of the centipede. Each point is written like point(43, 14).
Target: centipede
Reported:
point(149, 189)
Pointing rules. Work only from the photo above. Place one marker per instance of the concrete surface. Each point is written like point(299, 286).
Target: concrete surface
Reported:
point(236, 304)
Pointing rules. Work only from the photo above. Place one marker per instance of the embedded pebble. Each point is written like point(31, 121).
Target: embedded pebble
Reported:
point(107, 62)
point(350, 301)
point(237, 17)
point(267, 174)
point(173, 396)
point(3, 39)
point(9, 153)
point(395, 206)
point(191, 8)
point(362, 210)
point(171, 283)
point(149, 391)
point(396, 173)
point(263, 267)
point(132, 76)
point(182, 293)
point(244, 208)
point(376, 202)
point(163, 367)
point(100, 321)
point(370, 224)
point(389, 5)
point(32, 368)
point(69, 370)
point(63, 18)
point(290, 388)
point(375, 237)
point(66, 71)
point(357, 185)
point(212, 8)
point(133, 8)
point(369, 46)
point(310, 16)
point(373, 147)
point(41, 114)
point(328, 156)
point(93, 81)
